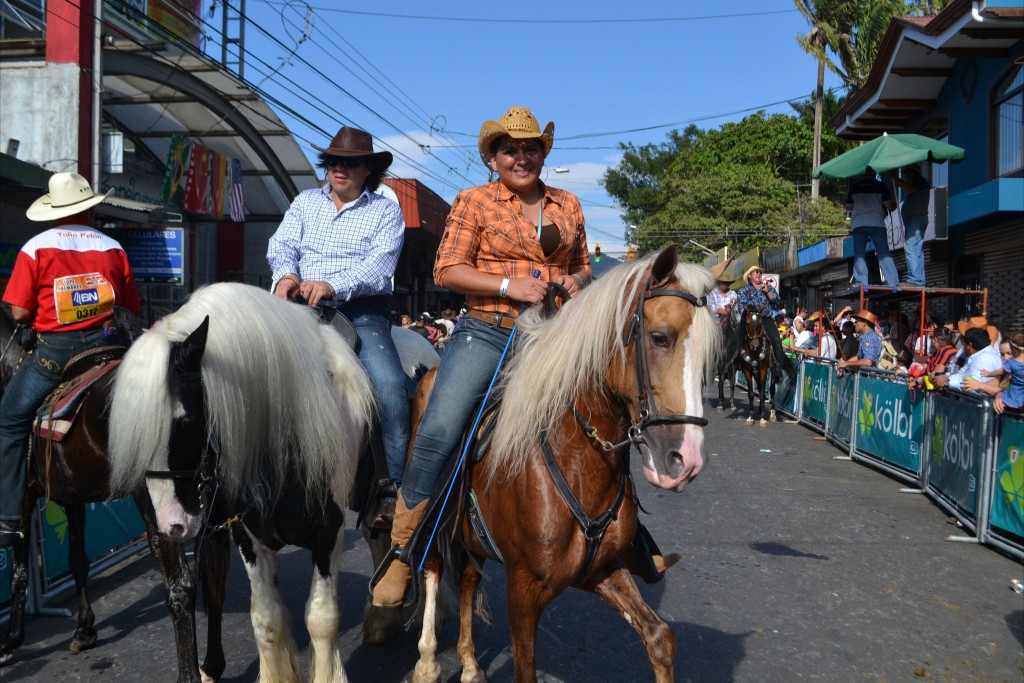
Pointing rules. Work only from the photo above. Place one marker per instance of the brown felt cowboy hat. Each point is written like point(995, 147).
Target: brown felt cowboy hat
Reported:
point(69, 194)
point(981, 322)
point(866, 316)
point(352, 142)
point(518, 123)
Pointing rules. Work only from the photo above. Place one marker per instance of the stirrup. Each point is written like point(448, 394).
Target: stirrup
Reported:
point(412, 591)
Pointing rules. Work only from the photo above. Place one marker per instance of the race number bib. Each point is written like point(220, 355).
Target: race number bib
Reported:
point(80, 297)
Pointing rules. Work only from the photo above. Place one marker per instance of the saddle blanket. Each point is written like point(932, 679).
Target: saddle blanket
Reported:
point(57, 415)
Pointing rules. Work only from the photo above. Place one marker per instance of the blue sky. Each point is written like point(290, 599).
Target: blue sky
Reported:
point(604, 72)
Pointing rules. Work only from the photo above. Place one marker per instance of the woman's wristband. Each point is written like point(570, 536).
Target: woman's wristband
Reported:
point(293, 277)
point(503, 290)
point(579, 279)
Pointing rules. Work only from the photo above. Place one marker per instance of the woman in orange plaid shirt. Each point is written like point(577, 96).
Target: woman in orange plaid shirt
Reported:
point(496, 237)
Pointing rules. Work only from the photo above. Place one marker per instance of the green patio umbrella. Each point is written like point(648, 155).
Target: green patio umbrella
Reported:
point(886, 153)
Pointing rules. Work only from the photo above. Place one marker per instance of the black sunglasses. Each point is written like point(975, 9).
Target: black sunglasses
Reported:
point(344, 162)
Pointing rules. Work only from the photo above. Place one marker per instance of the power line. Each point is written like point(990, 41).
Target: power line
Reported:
point(405, 110)
point(482, 20)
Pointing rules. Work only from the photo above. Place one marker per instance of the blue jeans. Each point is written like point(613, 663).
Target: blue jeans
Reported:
point(38, 375)
point(877, 235)
point(467, 366)
point(913, 249)
point(379, 357)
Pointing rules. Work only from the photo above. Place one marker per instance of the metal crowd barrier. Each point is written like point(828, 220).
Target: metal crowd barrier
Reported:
point(958, 456)
point(947, 444)
point(114, 532)
point(1005, 527)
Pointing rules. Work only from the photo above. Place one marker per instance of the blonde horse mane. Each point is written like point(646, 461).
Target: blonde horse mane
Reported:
point(559, 357)
point(280, 389)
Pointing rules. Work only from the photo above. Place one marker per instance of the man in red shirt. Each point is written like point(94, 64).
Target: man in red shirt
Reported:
point(65, 283)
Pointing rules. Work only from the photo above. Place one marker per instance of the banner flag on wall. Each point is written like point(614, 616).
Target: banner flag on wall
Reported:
point(176, 170)
point(197, 180)
point(218, 184)
point(235, 199)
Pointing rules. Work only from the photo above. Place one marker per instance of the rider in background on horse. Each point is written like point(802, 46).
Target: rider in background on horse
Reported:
point(722, 299)
point(761, 296)
point(65, 283)
point(341, 243)
point(496, 236)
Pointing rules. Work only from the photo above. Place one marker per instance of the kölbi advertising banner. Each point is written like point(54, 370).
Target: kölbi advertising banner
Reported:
point(889, 422)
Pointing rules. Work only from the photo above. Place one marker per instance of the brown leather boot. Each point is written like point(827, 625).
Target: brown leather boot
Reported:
point(643, 567)
point(390, 591)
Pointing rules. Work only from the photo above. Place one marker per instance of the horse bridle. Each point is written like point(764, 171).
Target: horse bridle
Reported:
point(647, 414)
point(762, 339)
point(206, 468)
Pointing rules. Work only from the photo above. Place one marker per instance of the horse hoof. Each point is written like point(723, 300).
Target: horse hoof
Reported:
point(763, 422)
point(83, 641)
point(772, 418)
point(382, 624)
point(750, 420)
point(719, 408)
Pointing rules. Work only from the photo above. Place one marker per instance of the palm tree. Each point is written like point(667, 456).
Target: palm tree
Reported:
point(827, 19)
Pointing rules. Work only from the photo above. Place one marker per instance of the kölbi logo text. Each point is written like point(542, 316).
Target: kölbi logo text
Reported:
point(956, 445)
point(85, 297)
point(891, 418)
point(843, 401)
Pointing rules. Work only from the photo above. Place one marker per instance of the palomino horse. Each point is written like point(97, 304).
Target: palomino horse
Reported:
point(241, 411)
point(74, 472)
point(756, 360)
point(622, 364)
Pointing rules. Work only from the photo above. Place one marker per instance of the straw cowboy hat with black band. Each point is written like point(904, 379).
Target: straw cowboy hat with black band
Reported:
point(352, 142)
point(69, 194)
point(518, 123)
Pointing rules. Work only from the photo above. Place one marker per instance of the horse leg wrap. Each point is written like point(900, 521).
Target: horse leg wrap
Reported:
point(390, 591)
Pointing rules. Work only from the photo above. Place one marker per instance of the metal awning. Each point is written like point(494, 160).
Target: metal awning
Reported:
point(914, 61)
point(154, 90)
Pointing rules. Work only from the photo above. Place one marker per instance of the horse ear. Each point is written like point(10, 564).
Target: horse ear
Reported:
point(665, 264)
point(187, 356)
point(129, 326)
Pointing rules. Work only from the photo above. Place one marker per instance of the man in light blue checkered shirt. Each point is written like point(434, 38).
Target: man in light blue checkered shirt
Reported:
point(341, 243)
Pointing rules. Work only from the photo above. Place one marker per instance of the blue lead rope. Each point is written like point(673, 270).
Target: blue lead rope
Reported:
point(469, 441)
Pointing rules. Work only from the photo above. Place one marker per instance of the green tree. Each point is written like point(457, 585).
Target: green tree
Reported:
point(737, 185)
point(636, 182)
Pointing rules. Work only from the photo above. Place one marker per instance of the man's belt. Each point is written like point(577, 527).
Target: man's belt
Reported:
point(505, 322)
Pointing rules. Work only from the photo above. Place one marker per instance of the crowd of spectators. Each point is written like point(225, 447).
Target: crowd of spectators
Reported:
point(437, 329)
point(971, 354)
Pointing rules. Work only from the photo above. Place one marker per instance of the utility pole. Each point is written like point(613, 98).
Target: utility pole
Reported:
point(233, 33)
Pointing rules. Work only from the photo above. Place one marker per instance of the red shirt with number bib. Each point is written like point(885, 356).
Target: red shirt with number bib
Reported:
point(71, 277)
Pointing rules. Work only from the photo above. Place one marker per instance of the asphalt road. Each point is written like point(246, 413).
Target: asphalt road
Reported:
point(796, 567)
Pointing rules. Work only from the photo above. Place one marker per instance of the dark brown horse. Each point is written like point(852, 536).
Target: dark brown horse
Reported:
point(755, 361)
point(73, 473)
point(727, 364)
point(620, 365)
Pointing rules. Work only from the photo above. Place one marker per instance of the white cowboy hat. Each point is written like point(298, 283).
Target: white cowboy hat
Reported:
point(69, 194)
point(750, 270)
